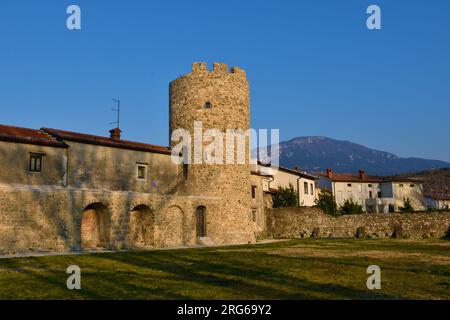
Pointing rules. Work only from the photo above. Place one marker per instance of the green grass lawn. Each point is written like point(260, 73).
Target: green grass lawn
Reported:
point(298, 269)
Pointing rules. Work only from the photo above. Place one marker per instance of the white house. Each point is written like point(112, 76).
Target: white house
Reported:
point(373, 193)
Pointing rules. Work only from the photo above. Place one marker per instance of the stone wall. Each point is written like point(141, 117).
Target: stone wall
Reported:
point(287, 223)
point(51, 218)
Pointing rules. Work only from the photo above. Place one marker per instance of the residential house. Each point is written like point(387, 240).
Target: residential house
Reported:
point(374, 193)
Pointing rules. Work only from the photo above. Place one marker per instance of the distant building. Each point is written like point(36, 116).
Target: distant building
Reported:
point(375, 194)
point(437, 201)
point(266, 182)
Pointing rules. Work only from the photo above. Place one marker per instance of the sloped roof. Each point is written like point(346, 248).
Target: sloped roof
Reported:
point(350, 177)
point(291, 171)
point(29, 136)
point(105, 141)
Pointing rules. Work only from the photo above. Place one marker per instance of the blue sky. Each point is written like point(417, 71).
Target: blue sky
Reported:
point(314, 67)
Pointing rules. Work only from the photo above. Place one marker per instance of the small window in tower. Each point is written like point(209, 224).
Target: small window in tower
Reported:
point(253, 192)
point(208, 105)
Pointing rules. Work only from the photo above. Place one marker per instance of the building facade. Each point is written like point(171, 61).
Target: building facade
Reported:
point(71, 191)
point(375, 194)
point(267, 181)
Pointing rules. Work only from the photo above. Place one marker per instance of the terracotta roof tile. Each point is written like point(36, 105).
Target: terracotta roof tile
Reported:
point(29, 136)
point(105, 141)
point(349, 177)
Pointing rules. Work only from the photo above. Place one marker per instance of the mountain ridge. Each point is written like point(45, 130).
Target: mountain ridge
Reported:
point(317, 153)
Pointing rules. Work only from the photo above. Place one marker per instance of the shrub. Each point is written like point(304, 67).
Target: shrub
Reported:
point(286, 197)
point(350, 207)
point(407, 207)
point(326, 202)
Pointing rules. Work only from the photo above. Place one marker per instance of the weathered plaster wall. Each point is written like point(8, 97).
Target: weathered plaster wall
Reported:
point(301, 222)
point(15, 160)
point(99, 167)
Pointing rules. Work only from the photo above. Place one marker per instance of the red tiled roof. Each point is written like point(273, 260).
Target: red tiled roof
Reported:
point(105, 141)
point(349, 177)
point(29, 136)
point(402, 179)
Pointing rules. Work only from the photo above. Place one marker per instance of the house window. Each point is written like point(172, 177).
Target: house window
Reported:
point(370, 185)
point(370, 195)
point(35, 163)
point(254, 215)
point(305, 187)
point(208, 105)
point(311, 189)
point(379, 194)
point(253, 192)
point(400, 185)
point(412, 186)
point(142, 172)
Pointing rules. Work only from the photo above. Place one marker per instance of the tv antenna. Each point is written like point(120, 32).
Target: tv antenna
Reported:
point(117, 109)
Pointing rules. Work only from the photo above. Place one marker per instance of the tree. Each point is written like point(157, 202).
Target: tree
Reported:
point(350, 207)
point(407, 207)
point(286, 197)
point(326, 202)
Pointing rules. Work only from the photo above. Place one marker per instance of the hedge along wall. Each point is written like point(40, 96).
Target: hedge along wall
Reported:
point(286, 223)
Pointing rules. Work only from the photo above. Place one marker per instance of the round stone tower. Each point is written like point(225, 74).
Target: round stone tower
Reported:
point(218, 100)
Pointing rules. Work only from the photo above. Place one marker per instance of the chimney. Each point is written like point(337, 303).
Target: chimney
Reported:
point(115, 134)
point(297, 168)
point(362, 174)
point(329, 173)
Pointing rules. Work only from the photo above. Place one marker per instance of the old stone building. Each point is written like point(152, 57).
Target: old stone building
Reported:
point(62, 190)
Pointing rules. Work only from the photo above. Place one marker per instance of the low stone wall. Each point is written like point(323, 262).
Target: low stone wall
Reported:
point(286, 223)
point(49, 218)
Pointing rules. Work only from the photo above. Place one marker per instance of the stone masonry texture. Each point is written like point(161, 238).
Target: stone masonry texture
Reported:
point(287, 223)
point(227, 93)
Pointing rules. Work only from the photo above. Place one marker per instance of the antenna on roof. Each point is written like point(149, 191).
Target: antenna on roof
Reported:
point(117, 122)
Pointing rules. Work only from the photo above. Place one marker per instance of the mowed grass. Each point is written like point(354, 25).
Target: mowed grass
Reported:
point(298, 269)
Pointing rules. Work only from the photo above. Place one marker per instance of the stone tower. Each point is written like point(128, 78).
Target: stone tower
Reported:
point(220, 100)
